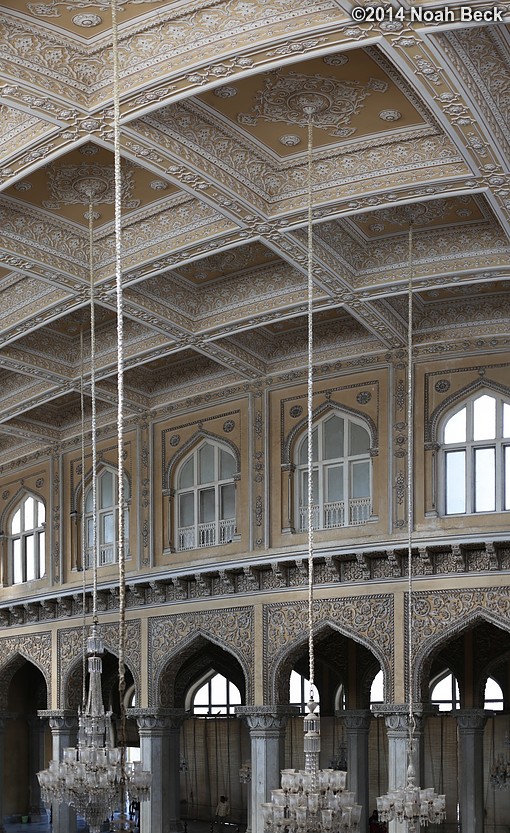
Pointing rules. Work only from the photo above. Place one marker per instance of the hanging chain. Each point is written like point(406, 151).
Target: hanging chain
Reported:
point(120, 395)
point(95, 547)
point(310, 410)
point(410, 490)
point(83, 531)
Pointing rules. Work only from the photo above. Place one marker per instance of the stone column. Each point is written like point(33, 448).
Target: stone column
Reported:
point(36, 751)
point(357, 725)
point(159, 732)
point(471, 723)
point(267, 733)
point(64, 732)
point(3, 720)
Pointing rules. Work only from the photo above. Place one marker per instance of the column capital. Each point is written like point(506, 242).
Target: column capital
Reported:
point(60, 720)
point(155, 721)
point(396, 715)
point(266, 719)
point(471, 719)
point(355, 719)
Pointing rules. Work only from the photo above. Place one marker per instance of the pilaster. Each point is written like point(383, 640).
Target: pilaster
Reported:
point(471, 724)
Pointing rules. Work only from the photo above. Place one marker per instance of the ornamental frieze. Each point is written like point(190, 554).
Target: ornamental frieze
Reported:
point(171, 641)
point(14, 650)
point(360, 618)
point(439, 616)
point(70, 655)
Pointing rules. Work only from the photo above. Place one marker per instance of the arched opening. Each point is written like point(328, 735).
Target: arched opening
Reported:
point(27, 742)
point(209, 682)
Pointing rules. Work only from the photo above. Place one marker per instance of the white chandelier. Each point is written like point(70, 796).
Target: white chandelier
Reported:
point(410, 804)
point(90, 776)
point(312, 800)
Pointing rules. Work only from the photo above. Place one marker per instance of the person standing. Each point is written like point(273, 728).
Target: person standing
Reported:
point(222, 811)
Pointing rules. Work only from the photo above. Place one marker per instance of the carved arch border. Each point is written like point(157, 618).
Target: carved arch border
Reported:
point(36, 649)
point(190, 444)
point(231, 629)
point(317, 413)
point(70, 653)
point(439, 616)
point(84, 484)
point(16, 498)
point(358, 618)
point(432, 422)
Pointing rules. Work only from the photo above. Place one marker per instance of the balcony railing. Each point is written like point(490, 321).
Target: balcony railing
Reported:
point(107, 555)
point(333, 514)
point(206, 534)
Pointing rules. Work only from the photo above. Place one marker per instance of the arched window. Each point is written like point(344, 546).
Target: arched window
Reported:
point(476, 456)
point(493, 695)
point(214, 695)
point(205, 497)
point(444, 692)
point(342, 479)
point(299, 690)
point(107, 519)
point(27, 539)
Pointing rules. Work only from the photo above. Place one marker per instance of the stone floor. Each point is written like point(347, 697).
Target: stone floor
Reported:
point(190, 826)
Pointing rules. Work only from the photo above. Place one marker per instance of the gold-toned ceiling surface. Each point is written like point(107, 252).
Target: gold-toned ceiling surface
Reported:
point(410, 126)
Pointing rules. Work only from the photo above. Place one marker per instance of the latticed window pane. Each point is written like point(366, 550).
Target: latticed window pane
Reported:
point(186, 509)
point(360, 479)
point(506, 420)
point(455, 482)
point(16, 522)
point(228, 501)
point(485, 480)
point(455, 428)
point(359, 439)
point(28, 514)
point(17, 562)
point(207, 505)
point(27, 541)
point(484, 418)
point(335, 483)
point(106, 489)
point(186, 476)
point(333, 438)
point(227, 465)
point(206, 463)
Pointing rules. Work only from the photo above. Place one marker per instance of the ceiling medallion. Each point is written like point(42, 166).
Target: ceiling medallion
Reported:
point(226, 92)
point(23, 186)
point(290, 140)
point(89, 149)
point(95, 215)
point(159, 185)
point(286, 98)
point(81, 184)
point(335, 60)
point(87, 20)
point(390, 115)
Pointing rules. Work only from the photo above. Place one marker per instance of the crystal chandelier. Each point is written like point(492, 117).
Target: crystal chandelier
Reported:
point(499, 770)
point(90, 775)
point(410, 804)
point(311, 800)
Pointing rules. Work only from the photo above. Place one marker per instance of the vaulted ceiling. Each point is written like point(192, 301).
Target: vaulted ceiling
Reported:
point(412, 124)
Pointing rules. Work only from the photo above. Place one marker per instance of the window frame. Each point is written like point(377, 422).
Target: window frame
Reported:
point(37, 532)
point(103, 512)
point(322, 465)
point(470, 447)
point(219, 531)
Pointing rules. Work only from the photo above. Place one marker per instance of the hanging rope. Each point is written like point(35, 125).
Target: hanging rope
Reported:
point(93, 418)
point(83, 533)
point(120, 396)
point(310, 410)
point(410, 470)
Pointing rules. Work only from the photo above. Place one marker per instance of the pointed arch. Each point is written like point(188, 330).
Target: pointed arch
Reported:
point(24, 524)
point(370, 660)
point(86, 483)
point(11, 666)
point(202, 478)
point(196, 653)
point(457, 398)
point(288, 447)
point(190, 445)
